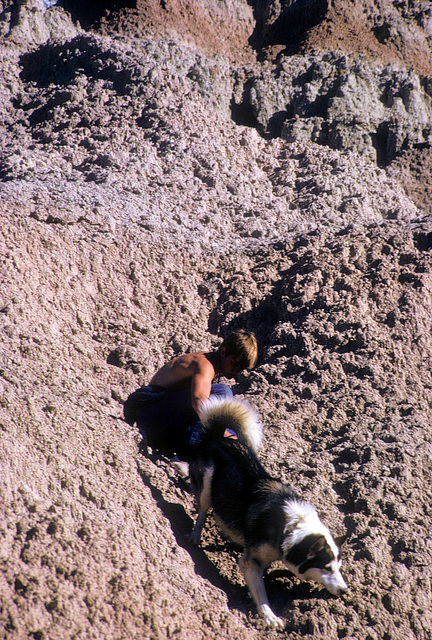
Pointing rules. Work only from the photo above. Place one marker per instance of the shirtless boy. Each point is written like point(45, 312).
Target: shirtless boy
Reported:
point(165, 410)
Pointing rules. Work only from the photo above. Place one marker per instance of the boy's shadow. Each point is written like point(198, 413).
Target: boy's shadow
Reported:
point(181, 524)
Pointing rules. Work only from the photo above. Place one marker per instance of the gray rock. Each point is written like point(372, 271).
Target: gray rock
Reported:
point(342, 103)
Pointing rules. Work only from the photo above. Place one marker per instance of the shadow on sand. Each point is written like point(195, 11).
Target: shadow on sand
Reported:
point(181, 524)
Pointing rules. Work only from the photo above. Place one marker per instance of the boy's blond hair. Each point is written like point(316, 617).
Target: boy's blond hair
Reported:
point(241, 345)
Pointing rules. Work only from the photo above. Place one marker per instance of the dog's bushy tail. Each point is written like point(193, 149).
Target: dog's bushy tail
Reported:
point(218, 414)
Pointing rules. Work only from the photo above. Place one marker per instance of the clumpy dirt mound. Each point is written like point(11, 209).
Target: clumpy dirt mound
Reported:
point(74, 563)
point(359, 80)
point(412, 170)
point(91, 526)
point(212, 26)
point(131, 131)
point(342, 103)
point(384, 32)
point(148, 206)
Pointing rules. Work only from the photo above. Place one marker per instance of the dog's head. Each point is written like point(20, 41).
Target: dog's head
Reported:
point(310, 551)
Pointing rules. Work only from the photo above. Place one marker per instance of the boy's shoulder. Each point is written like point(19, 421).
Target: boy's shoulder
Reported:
point(202, 361)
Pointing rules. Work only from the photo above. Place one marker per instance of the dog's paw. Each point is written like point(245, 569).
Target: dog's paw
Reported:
point(271, 619)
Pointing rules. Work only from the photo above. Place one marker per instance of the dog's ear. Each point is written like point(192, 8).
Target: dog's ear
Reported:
point(340, 540)
point(317, 546)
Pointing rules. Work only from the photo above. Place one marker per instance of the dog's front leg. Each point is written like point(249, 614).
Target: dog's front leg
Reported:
point(252, 571)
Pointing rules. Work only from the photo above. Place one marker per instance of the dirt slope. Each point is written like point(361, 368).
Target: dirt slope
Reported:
point(157, 191)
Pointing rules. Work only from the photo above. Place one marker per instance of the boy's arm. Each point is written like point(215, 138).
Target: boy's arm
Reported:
point(201, 383)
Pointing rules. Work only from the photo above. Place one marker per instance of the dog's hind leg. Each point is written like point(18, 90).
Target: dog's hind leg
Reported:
point(252, 571)
point(203, 505)
point(195, 535)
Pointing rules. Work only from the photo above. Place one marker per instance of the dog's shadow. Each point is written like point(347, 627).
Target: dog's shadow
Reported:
point(181, 525)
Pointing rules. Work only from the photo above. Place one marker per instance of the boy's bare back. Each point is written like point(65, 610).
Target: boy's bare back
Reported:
point(193, 368)
point(182, 369)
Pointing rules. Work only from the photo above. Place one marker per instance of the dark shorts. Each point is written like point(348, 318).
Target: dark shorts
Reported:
point(166, 416)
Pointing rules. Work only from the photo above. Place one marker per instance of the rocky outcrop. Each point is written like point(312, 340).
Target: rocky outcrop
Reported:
point(341, 102)
point(212, 26)
point(72, 96)
point(279, 22)
point(26, 22)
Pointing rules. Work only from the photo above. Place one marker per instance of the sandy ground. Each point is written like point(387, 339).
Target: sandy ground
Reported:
point(140, 220)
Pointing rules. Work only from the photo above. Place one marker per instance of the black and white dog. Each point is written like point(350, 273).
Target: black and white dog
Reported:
point(263, 515)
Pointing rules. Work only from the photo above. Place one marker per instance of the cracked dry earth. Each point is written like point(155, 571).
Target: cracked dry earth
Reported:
point(140, 220)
